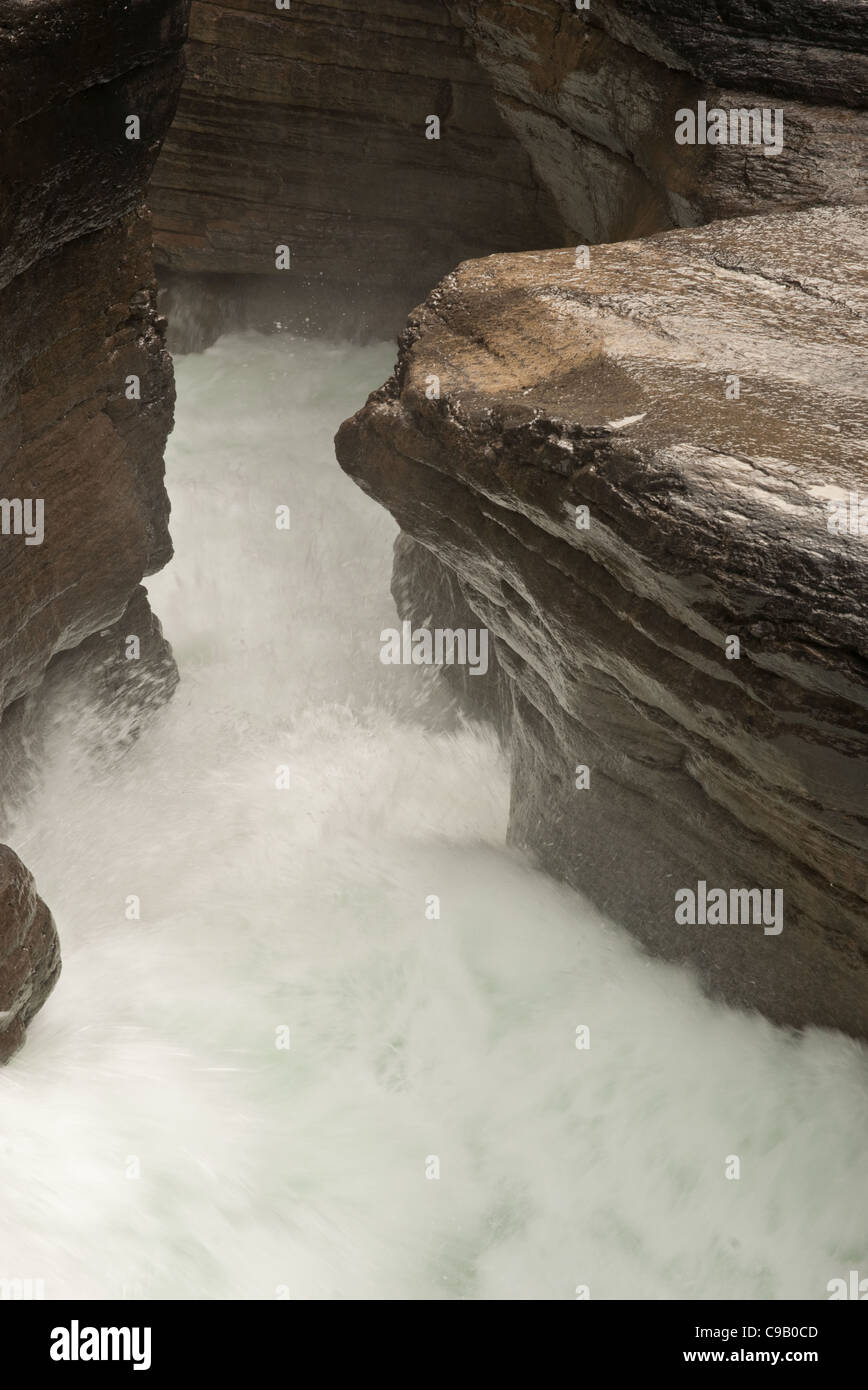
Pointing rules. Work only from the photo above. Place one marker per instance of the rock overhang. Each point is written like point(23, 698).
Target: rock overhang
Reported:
point(702, 394)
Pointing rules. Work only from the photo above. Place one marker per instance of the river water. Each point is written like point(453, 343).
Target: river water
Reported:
point(158, 1138)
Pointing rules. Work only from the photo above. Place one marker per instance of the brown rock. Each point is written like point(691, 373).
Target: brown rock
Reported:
point(72, 330)
point(72, 74)
point(592, 97)
point(307, 128)
point(814, 50)
point(78, 318)
point(606, 388)
point(29, 952)
point(103, 693)
point(83, 509)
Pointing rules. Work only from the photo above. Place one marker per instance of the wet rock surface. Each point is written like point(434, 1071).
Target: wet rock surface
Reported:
point(71, 335)
point(86, 384)
point(29, 952)
point(306, 127)
point(717, 509)
point(814, 50)
point(592, 97)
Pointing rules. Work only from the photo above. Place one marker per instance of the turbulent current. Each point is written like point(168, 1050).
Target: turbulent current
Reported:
point(285, 1078)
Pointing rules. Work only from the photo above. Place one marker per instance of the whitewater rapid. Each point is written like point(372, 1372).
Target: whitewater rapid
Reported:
point(156, 1142)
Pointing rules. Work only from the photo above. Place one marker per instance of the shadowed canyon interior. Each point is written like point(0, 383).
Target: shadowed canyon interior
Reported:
point(564, 380)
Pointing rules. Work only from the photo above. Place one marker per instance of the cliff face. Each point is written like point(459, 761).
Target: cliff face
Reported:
point(697, 638)
point(306, 127)
point(814, 51)
point(86, 387)
point(592, 95)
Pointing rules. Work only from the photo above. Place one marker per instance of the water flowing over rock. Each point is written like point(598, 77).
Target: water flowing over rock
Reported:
point(86, 386)
point(306, 127)
point(703, 394)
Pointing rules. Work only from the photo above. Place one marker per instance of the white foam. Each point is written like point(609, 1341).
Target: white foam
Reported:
point(304, 1170)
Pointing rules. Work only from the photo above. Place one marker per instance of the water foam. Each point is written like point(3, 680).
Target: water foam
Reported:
point(268, 1173)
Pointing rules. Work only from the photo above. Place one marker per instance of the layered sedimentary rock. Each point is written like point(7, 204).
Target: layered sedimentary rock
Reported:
point(592, 95)
point(306, 127)
point(73, 329)
point(86, 387)
point(645, 477)
point(100, 694)
point(814, 50)
point(72, 75)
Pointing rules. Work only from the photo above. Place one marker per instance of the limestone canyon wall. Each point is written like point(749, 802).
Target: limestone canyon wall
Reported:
point(306, 127)
point(592, 96)
point(563, 383)
point(80, 445)
point(641, 469)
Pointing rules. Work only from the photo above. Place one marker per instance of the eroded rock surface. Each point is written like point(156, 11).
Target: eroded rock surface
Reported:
point(814, 50)
point(592, 96)
point(73, 329)
point(86, 385)
point(612, 388)
point(29, 952)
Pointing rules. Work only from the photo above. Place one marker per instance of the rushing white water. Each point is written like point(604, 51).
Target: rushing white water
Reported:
point(266, 1172)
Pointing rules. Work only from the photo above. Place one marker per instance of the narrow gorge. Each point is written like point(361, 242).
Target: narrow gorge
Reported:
point(376, 733)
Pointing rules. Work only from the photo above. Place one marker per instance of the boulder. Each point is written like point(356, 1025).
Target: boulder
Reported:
point(645, 477)
point(29, 952)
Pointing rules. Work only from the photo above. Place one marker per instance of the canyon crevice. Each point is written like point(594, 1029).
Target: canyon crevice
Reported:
point(528, 386)
point(306, 127)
